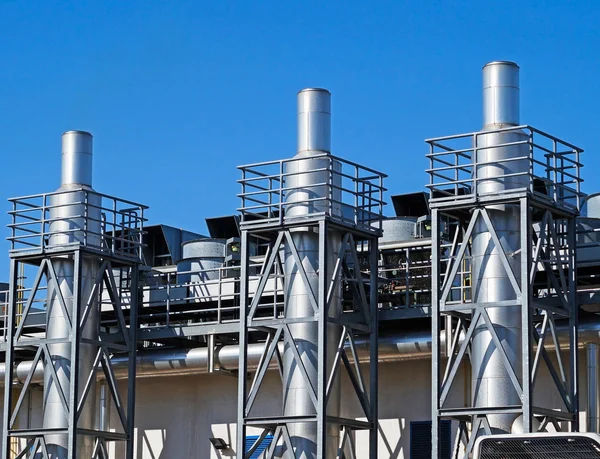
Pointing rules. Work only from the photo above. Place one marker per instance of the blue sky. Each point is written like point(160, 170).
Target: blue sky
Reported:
point(177, 94)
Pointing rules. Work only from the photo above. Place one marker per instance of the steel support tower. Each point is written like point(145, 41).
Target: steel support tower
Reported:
point(318, 218)
point(503, 205)
point(79, 311)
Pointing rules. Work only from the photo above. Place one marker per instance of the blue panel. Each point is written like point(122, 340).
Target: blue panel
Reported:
point(261, 448)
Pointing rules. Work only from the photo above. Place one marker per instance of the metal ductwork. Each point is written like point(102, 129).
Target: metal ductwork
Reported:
point(491, 384)
point(72, 221)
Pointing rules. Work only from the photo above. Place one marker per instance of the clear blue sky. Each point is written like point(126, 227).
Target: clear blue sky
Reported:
point(177, 94)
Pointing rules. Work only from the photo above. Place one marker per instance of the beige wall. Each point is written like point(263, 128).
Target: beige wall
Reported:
point(175, 416)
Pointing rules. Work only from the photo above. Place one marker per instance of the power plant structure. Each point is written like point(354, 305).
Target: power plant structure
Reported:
point(309, 324)
point(512, 193)
point(77, 240)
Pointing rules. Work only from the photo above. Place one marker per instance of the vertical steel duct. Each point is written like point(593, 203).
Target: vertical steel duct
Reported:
point(593, 381)
point(72, 221)
point(304, 184)
point(491, 384)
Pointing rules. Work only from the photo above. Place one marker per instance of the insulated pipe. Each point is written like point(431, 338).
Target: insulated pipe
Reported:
point(397, 347)
point(593, 381)
point(75, 218)
point(413, 345)
point(491, 383)
point(308, 192)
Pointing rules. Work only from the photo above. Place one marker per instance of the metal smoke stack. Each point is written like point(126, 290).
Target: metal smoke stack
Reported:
point(500, 94)
point(497, 172)
point(75, 217)
point(76, 159)
point(309, 180)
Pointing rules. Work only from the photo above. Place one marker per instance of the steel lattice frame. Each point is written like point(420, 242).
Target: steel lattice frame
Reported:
point(362, 320)
point(122, 339)
point(547, 246)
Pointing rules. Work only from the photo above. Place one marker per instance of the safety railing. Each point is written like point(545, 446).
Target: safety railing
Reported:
point(286, 191)
point(205, 296)
point(405, 271)
point(77, 217)
point(482, 164)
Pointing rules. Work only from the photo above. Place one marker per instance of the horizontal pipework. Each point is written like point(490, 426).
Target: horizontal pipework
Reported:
point(395, 347)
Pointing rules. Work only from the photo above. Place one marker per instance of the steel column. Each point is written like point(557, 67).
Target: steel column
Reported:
point(435, 333)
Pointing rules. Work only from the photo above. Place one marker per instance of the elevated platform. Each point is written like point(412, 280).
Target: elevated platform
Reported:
point(76, 219)
point(527, 163)
point(345, 194)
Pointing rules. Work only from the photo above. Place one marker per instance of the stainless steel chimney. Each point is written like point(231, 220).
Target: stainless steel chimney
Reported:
point(491, 384)
point(308, 182)
point(72, 221)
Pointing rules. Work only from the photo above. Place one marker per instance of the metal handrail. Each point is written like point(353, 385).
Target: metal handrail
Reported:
point(205, 298)
point(99, 221)
point(557, 167)
point(354, 194)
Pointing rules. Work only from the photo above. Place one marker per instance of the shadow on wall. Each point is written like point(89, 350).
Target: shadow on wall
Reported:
point(391, 441)
point(151, 447)
point(229, 439)
point(152, 444)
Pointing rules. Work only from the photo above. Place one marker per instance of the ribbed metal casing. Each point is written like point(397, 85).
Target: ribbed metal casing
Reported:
point(314, 127)
point(591, 206)
point(398, 229)
point(203, 257)
point(72, 222)
point(491, 384)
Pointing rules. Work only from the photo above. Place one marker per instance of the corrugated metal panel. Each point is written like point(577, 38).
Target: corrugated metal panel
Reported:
point(420, 440)
point(261, 448)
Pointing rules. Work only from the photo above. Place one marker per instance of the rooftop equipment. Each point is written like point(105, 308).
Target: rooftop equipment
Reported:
point(512, 193)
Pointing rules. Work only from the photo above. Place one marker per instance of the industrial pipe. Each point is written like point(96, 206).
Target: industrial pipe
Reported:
point(593, 402)
point(75, 218)
point(396, 347)
point(309, 180)
point(500, 94)
point(491, 383)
